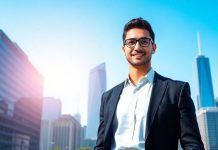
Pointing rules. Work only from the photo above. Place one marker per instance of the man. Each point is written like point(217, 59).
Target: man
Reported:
point(146, 111)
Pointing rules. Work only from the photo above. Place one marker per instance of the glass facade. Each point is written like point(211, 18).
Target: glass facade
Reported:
point(206, 95)
point(21, 92)
point(97, 85)
point(217, 102)
point(208, 125)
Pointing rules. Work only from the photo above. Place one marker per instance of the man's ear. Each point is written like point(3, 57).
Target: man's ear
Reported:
point(123, 49)
point(154, 47)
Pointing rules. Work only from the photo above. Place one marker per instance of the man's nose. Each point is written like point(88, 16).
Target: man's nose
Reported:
point(137, 46)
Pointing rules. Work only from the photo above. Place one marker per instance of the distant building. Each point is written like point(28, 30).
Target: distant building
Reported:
point(83, 133)
point(208, 125)
point(217, 102)
point(21, 92)
point(77, 116)
point(66, 133)
point(205, 87)
point(97, 85)
point(51, 111)
point(51, 108)
point(206, 95)
point(90, 143)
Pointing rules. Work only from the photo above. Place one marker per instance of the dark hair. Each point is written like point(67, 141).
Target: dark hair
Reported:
point(138, 23)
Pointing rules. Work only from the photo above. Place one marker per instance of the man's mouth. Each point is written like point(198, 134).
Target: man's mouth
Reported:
point(138, 54)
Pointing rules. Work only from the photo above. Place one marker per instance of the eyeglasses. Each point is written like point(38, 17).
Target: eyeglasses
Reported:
point(143, 42)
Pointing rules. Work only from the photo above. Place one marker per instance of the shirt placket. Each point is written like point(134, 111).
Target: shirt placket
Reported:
point(137, 116)
point(131, 119)
point(133, 112)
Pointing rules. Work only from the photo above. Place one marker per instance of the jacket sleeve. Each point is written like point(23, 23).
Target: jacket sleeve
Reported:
point(100, 137)
point(190, 137)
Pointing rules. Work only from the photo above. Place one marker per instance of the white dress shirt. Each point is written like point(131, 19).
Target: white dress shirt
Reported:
point(131, 113)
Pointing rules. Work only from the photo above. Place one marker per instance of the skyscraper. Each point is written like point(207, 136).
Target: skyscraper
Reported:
point(97, 85)
point(207, 115)
point(205, 87)
point(208, 125)
point(217, 102)
point(51, 111)
point(21, 93)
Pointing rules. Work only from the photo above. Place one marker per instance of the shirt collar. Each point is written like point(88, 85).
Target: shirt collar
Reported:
point(149, 76)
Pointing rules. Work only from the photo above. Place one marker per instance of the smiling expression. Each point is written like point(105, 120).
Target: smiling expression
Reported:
point(138, 55)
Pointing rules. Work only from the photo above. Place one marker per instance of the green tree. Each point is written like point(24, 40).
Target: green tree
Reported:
point(56, 148)
point(85, 148)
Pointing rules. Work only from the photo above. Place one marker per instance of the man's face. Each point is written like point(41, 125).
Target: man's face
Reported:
point(140, 53)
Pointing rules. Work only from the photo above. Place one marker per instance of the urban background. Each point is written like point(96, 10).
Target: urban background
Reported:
point(57, 58)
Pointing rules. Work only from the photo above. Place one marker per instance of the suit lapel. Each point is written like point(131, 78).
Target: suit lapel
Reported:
point(112, 107)
point(156, 97)
point(115, 98)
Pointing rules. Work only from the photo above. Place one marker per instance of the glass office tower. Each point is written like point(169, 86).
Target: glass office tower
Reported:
point(97, 85)
point(21, 92)
point(207, 115)
point(205, 87)
point(206, 95)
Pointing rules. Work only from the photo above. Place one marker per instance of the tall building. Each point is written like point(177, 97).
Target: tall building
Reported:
point(66, 133)
point(205, 87)
point(217, 102)
point(208, 125)
point(77, 116)
point(97, 85)
point(21, 92)
point(51, 111)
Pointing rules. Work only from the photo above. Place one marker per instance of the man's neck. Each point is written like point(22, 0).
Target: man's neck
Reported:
point(136, 73)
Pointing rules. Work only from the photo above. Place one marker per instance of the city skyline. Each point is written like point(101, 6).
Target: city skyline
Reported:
point(64, 40)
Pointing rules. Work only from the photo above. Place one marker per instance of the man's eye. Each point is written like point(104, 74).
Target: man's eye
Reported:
point(144, 41)
point(132, 42)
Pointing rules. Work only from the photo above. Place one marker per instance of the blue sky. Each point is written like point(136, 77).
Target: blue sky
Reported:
point(64, 39)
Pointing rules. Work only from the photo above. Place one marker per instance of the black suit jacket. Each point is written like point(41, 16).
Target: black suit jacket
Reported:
point(170, 117)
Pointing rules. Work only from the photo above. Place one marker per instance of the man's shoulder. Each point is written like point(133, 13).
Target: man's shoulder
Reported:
point(170, 81)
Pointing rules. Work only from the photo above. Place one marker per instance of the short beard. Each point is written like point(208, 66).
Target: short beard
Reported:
point(144, 63)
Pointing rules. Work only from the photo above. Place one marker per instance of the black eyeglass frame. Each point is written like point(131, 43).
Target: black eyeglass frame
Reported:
point(139, 41)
